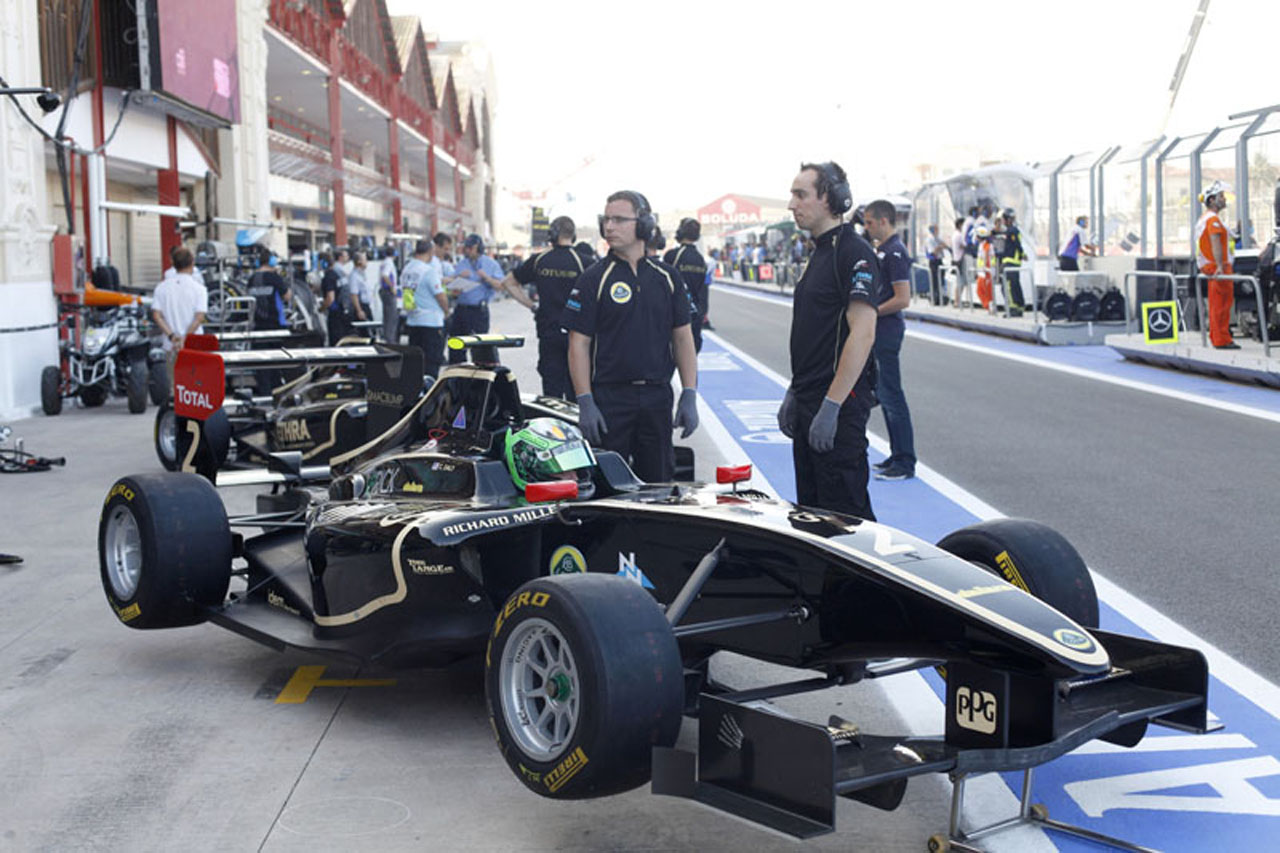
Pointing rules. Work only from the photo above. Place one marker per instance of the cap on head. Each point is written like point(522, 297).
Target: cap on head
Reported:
point(474, 241)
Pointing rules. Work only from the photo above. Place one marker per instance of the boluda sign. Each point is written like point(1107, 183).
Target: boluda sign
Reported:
point(198, 384)
point(730, 210)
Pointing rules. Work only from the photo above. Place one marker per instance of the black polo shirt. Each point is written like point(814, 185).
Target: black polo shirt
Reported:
point(895, 265)
point(688, 261)
point(553, 273)
point(629, 316)
point(843, 269)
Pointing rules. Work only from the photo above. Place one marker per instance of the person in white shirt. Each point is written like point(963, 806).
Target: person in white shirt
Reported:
point(426, 305)
point(178, 306)
point(389, 295)
point(362, 290)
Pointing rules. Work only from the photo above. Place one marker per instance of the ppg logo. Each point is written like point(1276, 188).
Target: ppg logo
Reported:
point(976, 710)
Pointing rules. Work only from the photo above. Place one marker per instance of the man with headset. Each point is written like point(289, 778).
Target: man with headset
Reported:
point(628, 322)
point(553, 273)
point(833, 327)
point(476, 278)
point(692, 267)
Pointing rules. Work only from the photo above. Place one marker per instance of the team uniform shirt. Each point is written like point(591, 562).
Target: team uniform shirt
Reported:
point(468, 269)
point(335, 281)
point(268, 289)
point(688, 261)
point(422, 279)
point(895, 266)
point(1011, 251)
point(629, 316)
point(179, 299)
point(554, 273)
point(387, 272)
point(842, 270)
point(1208, 230)
point(1079, 237)
point(361, 283)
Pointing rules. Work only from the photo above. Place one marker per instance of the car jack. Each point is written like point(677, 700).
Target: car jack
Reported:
point(1028, 814)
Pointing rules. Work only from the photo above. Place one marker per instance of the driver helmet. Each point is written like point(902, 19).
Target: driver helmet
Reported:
point(1213, 189)
point(546, 449)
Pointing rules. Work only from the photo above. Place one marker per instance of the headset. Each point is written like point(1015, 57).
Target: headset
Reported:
point(646, 222)
point(561, 226)
point(689, 229)
point(839, 196)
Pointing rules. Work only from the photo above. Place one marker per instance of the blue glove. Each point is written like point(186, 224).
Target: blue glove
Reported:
point(686, 412)
point(590, 420)
point(787, 414)
point(822, 431)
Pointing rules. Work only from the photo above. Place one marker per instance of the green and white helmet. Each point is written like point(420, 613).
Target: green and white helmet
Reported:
point(548, 449)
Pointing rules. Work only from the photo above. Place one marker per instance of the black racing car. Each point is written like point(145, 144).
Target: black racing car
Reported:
point(469, 531)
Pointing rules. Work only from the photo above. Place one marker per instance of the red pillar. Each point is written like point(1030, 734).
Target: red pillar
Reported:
point(431, 181)
point(169, 192)
point(335, 140)
point(393, 134)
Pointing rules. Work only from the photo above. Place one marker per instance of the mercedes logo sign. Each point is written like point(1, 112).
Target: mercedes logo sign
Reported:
point(1160, 321)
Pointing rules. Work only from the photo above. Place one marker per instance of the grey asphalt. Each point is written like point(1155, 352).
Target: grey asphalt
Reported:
point(1171, 500)
point(116, 739)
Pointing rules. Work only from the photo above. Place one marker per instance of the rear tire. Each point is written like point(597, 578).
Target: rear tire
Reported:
point(1033, 557)
point(583, 678)
point(158, 382)
point(164, 550)
point(51, 390)
point(165, 437)
point(136, 386)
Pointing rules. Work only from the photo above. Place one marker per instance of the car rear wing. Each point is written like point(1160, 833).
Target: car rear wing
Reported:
point(484, 348)
point(394, 380)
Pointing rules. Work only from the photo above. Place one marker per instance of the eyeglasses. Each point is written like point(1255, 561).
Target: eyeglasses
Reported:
point(617, 220)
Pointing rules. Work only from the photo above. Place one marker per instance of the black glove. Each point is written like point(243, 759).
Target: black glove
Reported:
point(822, 431)
point(590, 420)
point(787, 414)
point(686, 412)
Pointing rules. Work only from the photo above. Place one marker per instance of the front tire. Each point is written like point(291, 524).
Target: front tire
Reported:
point(51, 390)
point(1033, 557)
point(164, 550)
point(136, 386)
point(158, 382)
point(583, 678)
point(93, 395)
point(165, 437)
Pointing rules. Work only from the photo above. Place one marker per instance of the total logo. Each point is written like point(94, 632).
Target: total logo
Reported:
point(188, 397)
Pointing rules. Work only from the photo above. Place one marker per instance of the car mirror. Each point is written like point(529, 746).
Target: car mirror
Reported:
point(555, 490)
point(733, 473)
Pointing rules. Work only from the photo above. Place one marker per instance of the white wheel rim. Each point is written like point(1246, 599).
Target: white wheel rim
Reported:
point(540, 690)
point(124, 553)
point(168, 435)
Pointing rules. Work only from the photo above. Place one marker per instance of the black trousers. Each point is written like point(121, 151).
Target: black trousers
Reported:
point(467, 320)
point(338, 327)
point(835, 480)
point(935, 281)
point(429, 339)
point(1068, 264)
point(553, 366)
point(638, 420)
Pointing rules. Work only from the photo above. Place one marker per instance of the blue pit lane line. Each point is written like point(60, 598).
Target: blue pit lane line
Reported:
point(1173, 791)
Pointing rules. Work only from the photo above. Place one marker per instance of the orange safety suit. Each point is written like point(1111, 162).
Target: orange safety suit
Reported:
point(1221, 292)
point(986, 272)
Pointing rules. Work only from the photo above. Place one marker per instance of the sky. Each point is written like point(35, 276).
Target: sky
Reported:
point(687, 101)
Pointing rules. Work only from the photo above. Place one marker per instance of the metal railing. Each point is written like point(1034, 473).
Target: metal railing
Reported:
point(1132, 309)
point(1257, 295)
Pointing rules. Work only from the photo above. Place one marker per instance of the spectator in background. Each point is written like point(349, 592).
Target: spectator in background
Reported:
point(1215, 254)
point(425, 304)
point(334, 284)
point(1012, 255)
point(476, 279)
point(895, 270)
point(178, 306)
point(933, 250)
point(389, 295)
point(1077, 244)
point(958, 255)
point(361, 289)
point(270, 293)
point(442, 248)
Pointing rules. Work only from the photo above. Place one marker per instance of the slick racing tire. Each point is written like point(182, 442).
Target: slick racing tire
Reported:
point(136, 386)
point(583, 678)
point(158, 382)
point(1058, 306)
point(1033, 557)
point(165, 437)
point(93, 395)
point(164, 550)
point(51, 390)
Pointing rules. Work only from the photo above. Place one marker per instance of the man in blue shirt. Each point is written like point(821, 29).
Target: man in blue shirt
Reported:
point(476, 278)
point(895, 268)
point(426, 306)
point(1077, 244)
